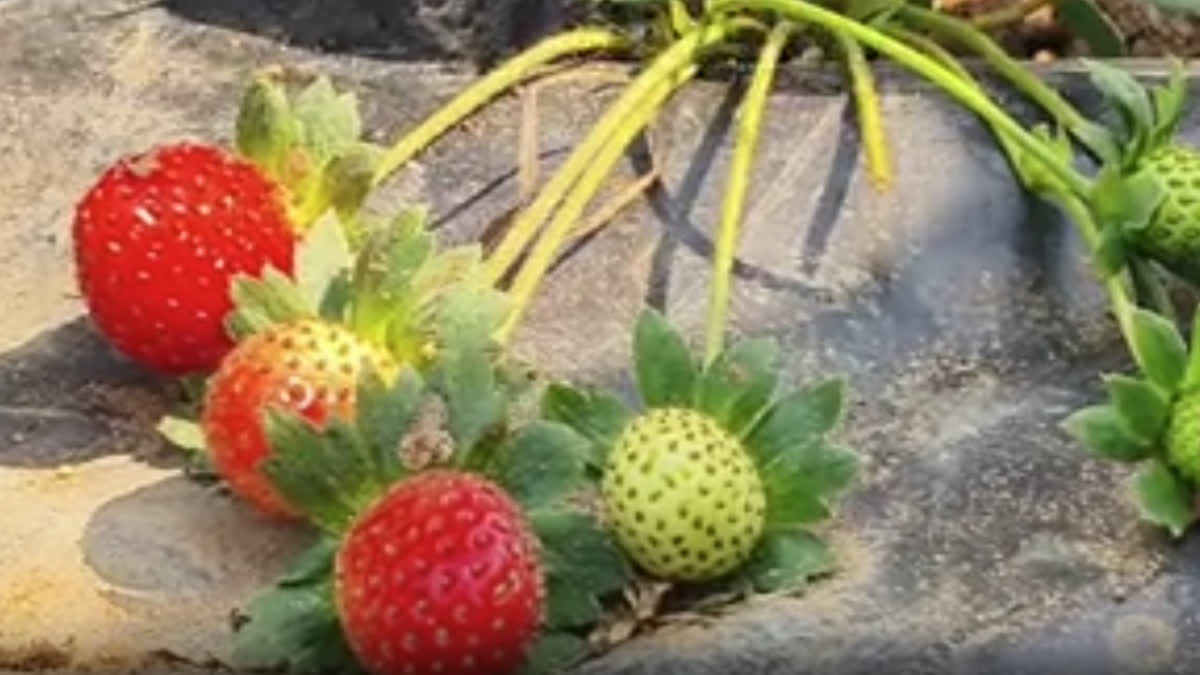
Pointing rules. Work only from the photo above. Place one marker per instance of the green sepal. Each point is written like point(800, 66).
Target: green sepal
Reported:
point(385, 414)
point(264, 301)
point(1103, 431)
point(183, 433)
point(796, 419)
point(597, 415)
point(1191, 376)
point(1165, 498)
point(294, 625)
point(464, 372)
point(335, 303)
point(383, 273)
point(1143, 407)
point(329, 123)
point(1088, 22)
point(666, 370)
point(343, 185)
point(739, 383)
point(1126, 202)
point(582, 566)
point(1111, 254)
point(1131, 101)
point(328, 475)
point(555, 653)
point(1158, 348)
point(785, 560)
point(266, 130)
point(541, 464)
point(1032, 171)
point(802, 482)
point(1169, 102)
point(322, 256)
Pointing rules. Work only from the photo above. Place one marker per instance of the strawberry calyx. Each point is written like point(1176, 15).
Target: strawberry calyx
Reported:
point(339, 474)
point(707, 442)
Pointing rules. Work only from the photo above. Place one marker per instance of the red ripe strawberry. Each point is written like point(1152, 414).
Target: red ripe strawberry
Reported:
point(310, 367)
point(441, 575)
point(158, 239)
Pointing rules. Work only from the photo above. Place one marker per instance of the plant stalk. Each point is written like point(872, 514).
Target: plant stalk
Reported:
point(870, 123)
point(525, 225)
point(734, 207)
point(977, 101)
point(485, 89)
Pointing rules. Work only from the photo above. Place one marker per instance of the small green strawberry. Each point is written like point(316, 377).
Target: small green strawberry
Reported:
point(1172, 237)
point(1183, 437)
point(683, 495)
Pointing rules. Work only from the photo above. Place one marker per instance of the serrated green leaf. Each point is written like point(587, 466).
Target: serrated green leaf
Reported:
point(294, 627)
point(802, 481)
point(666, 371)
point(598, 415)
point(1143, 407)
point(265, 128)
point(796, 419)
point(739, 384)
point(1169, 102)
point(385, 414)
point(323, 255)
point(1164, 498)
point(554, 653)
point(542, 463)
point(1089, 23)
point(578, 553)
point(327, 474)
point(264, 301)
point(1103, 432)
point(785, 560)
point(183, 433)
point(1158, 348)
point(329, 123)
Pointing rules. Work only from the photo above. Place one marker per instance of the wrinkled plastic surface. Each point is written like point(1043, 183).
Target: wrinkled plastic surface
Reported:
point(979, 538)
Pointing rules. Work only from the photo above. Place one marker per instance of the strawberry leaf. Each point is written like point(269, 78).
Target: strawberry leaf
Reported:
point(1142, 406)
point(294, 625)
point(578, 556)
point(261, 302)
point(266, 130)
point(597, 415)
point(554, 653)
point(1102, 430)
point(329, 475)
point(786, 560)
point(1158, 348)
point(385, 414)
point(797, 419)
point(1164, 498)
point(801, 482)
point(322, 256)
point(329, 123)
point(542, 463)
point(739, 383)
point(666, 371)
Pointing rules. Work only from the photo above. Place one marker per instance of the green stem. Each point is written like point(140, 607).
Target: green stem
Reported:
point(977, 101)
point(866, 99)
point(491, 85)
point(525, 225)
point(734, 206)
point(601, 164)
point(1093, 136)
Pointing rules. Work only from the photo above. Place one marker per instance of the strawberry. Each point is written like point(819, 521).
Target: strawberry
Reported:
point(441, 575)
point(683, 495)
point(1183, 436)
point(310, 367)
point(1173, 235)
point(157, 240)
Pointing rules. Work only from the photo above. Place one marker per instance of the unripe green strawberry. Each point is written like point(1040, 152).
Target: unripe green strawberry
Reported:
point(683, 495)
point(1183, 436)
point(1173, 235)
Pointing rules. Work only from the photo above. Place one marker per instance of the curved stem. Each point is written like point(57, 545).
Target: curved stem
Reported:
point(977, 101)
point(1118, 294)
point(1093, 136)
point(734, 206)
point(600, 165)
point(525, 225)
point(485, 89)
point(1012, 14)
point(866, 99)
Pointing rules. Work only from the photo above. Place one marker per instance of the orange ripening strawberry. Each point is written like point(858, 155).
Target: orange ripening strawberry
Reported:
point(442, 575)
point(158, 239)
point(310, 367)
